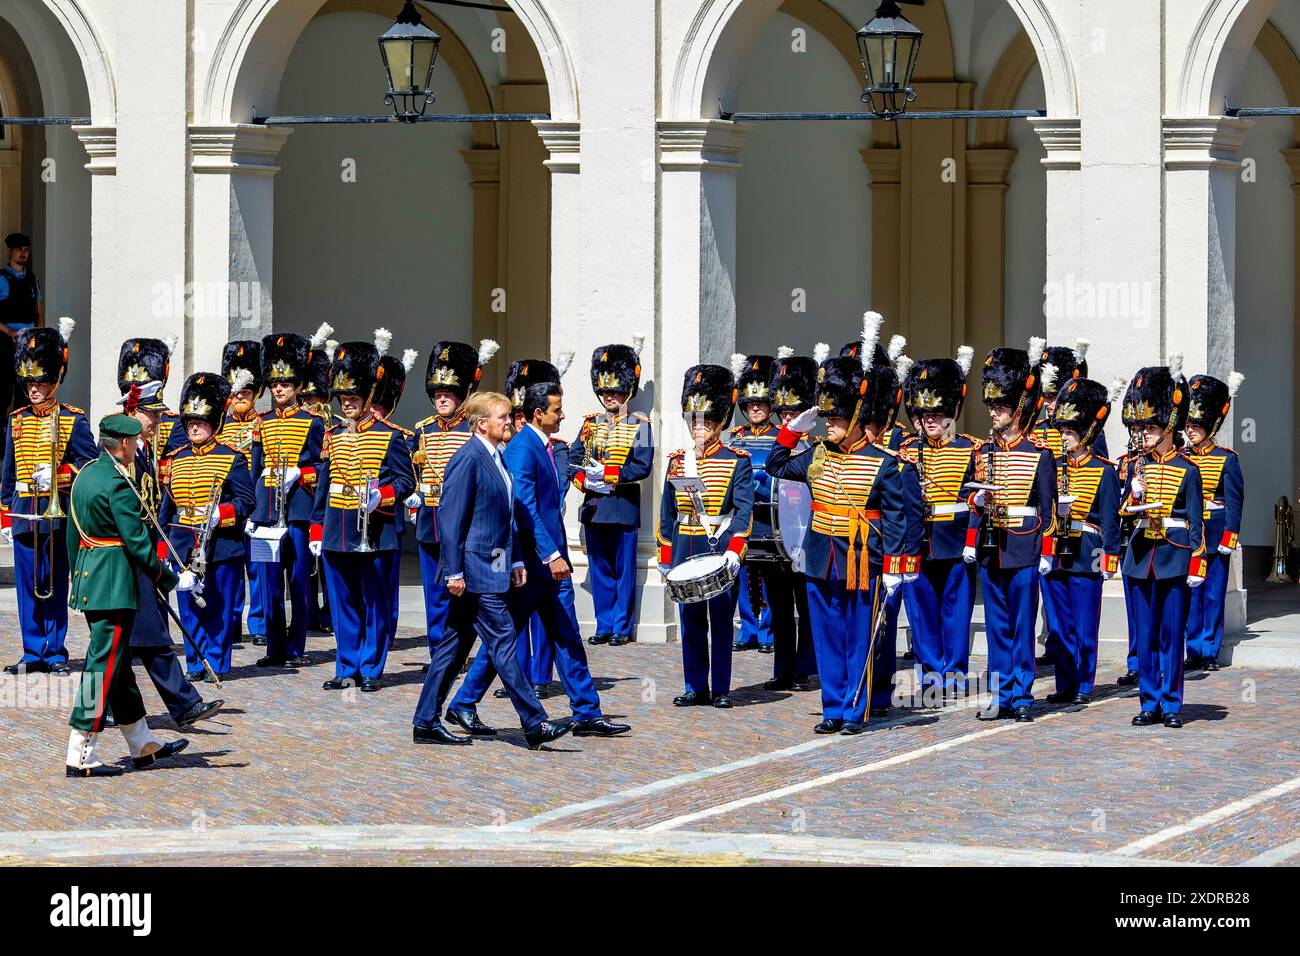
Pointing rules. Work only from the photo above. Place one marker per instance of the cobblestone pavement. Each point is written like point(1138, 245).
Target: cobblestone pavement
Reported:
point(289, 772)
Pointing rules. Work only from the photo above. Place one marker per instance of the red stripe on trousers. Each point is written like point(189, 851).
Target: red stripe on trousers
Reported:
point(98, 723)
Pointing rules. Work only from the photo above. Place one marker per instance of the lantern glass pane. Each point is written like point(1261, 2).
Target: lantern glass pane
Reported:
point(876, 51)
point(908, 47)
point(422, 63)
point(398, 52)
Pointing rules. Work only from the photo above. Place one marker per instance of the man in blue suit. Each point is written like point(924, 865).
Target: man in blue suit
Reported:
point(538, 480)
point(480, 561)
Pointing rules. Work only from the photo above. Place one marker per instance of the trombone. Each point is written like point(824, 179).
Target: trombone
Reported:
point(53, 512)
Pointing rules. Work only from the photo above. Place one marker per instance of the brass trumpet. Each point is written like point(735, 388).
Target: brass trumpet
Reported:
point(53, 512)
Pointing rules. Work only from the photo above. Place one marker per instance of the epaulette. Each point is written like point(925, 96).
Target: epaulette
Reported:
point(739, 451)
point(1226, 448)
point(591, 416)
point(888, 451)
point(639, 416)
point(1035, 440)
point(908, 442)
point(397, 428)
point(426, 421)
point(679, 453)
point(335, 427)
point(737, 430)
point(1104, 459)
point(18, 411)
point(229, 447)
point(975, 440)
point(72, 408)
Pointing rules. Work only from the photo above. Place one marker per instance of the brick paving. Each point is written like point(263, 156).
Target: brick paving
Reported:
point(287, 753)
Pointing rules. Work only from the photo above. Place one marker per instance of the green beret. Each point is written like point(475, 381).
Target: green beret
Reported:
point(119, 426)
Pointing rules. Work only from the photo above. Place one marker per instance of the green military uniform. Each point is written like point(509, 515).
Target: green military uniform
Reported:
point(107, 542)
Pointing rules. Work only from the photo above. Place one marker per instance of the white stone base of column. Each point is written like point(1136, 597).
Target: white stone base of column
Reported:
point(656, 614)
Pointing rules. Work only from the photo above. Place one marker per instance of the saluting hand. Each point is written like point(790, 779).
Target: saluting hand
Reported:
point(804, 422)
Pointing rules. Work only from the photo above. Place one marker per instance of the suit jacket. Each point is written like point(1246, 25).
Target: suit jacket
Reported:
point(538, 489)
point(475, 522)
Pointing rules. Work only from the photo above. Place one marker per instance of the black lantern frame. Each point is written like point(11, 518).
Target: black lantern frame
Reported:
point(409, 40)
point(889, 43)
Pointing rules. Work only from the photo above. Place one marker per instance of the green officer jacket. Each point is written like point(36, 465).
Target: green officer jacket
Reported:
point(108, 540)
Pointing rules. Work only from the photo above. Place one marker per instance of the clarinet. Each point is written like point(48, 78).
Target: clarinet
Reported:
point(988, 543)
point(1065, 545)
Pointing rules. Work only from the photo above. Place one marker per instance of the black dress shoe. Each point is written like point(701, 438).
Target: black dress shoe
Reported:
point(169, 749)
point(802, 684)
point(852, 728)
point(1023, 716)
point(35, 667)
point(1193, 663)
point(297, 662)
point(200, 711)
point(1146, 718)
point(1211, 664)
point(259, 640)
point(547, 731)
point(1062, 697)
point(740, 646)
point(542, 691)
point(195, 678)
point(1129, 679)
point(831, 725)
point(722, 701)
point(618, 640)
point(766, 649)
point(339, 683)
point(209, 679)
point(110, 720)
point(1173, 720)
point(879, 712)
point(272, 661)
point(1002, 713)
point(599, 727)
point(468, 721)
point(599, 638)
point(1083, 698)
point(501, 693)
point(775, 684)
point(692, 699)
point(60, 669)
point(371, 684)
point(103, 770)
point(438, 734)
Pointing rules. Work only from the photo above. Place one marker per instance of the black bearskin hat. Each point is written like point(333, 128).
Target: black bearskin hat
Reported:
point(284, 358)
point(316, 382)
point(1070, 362)
point(794, 383)
point(710, 391)
point(524, 373)
point(1083, 405)
point(388, 393)
point(41, 355)
point(753, 375)
point(617, 368)
point(842, 388)
point(938, 385)
point(204, 397)
point(355, 370)
point(457, 367)
point(239, 357)
point(142, 361)
point(1158, 396)
point(1010, 378)
point(1211, 400)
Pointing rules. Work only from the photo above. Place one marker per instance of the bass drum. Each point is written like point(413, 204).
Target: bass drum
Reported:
point(792, 514)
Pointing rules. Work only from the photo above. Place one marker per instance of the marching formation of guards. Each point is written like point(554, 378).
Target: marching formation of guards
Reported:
point(294, 517)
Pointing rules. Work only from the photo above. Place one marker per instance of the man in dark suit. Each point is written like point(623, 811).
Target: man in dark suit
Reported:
point(538, 480)
point(480, 561)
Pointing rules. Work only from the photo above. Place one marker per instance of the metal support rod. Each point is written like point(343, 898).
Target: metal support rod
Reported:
point(44, 120)
point(1244, 111)
point(382, 119)
point(880, 117)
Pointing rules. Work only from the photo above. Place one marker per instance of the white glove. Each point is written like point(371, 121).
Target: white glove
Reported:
point(41, 477)
point(968, 555)
point(316, 547)
point(1224, 549)
point(1044, 565)
point(1139, 488)
point(804, 422)
point(214, 518)
point(291, 476)
point(595, 472)
point(372, 500)
point(981, 498)
point(909, 578)
point(732, 559)
point(249, 527)
point(7, 534)
point(186, 581)
point(1194, 581)
point(598, 487)
point(413, 500)
point(892, 582)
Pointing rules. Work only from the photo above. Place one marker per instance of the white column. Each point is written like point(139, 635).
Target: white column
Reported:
point(106, 329)
point(233, 237)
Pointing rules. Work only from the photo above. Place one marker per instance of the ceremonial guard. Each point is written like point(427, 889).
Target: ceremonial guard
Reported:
point(1166, 548)
point(140, 362)
point(455, 370)
point(365, 474)
point(613, 453)
point(111, 549)
point(207, 498)
point(388, 395)
point(1224, 491)
point(1085, 547)
point(286, 456)
point(793, 388)
point(1014, 514)
point(715, 516)
point(241, 364)
point(941, 601)
point(315, 397)
point(753, 375)
point(855, 545)
point(46, 444)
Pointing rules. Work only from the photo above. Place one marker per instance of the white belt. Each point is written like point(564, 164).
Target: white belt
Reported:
point(1164, 523)
point(958, 508)
point(1214, 506)
point(22, 487)
point(1020, 511)
point(426, 488)
point(340, 489)
point(1082, 526)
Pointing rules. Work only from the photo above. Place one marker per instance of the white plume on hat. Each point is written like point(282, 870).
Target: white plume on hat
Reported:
point(67, 325)
point(897, 344)
point(408, 359)
point(902, 365)
point(1036, 345)
point(638, 343)
point(737, 363)
point(965, 355)
point(241, 380)
point(1048, 375)
point(1234, 382)
point(871, 323)
point(486, 349)
point(383, 339)
point(322, 333)
point(821, 352)
point(170, 342)
point(783, 352)
point(331, 346)
point(1175, 363)
point(564, 361)
point(1118, 385)
point(1081, 346)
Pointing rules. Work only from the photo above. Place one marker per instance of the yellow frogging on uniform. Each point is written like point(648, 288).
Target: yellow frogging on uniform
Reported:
point(354, 457)
point(31, 434)
point(438, 442)
point(191, 478)
point(283, 438)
